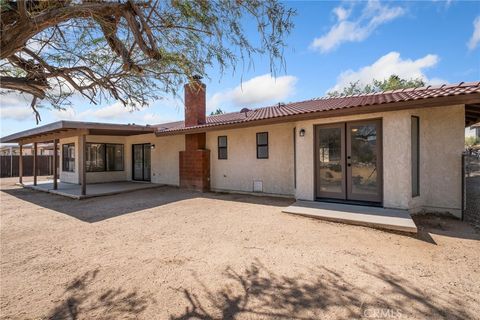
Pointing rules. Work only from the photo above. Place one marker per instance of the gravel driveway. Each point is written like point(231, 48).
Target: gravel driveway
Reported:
point(170, 254)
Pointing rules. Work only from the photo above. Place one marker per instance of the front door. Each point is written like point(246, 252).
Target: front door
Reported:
point(141, 162)
point(349, 161)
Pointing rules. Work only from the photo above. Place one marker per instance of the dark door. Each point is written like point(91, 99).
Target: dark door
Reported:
point(141, 162)
point(349, 161)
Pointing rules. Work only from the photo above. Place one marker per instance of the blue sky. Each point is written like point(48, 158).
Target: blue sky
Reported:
point(332, 44)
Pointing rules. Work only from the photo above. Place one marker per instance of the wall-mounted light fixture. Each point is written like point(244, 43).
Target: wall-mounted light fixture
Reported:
point(152, 146)
point(302, 132)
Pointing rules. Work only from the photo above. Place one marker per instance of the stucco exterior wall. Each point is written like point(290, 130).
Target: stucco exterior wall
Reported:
point(165, 157)
point(441, 144)
point(164, 167)
point(242, 167)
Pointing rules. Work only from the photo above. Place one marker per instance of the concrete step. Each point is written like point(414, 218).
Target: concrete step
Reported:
point(390, 219)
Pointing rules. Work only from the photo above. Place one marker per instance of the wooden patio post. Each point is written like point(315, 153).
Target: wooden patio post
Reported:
point(55, 164)
point(20, 165)
point(82, 149)
point(35, 167)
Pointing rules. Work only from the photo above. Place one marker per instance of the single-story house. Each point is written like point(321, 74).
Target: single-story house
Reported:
point(396, 149)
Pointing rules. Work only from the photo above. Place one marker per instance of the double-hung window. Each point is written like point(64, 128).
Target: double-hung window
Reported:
point(262, 145)
point(222, 148)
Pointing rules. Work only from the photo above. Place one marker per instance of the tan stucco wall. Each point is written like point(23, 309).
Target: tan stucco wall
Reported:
point(164, 169)
point(441, 145)
point(242, 167)
point(165, 157)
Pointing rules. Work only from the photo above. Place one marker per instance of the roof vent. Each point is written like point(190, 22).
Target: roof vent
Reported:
point(244, 110)
point(281, 104)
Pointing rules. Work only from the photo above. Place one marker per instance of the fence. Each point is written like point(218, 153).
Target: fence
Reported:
point(9, 166)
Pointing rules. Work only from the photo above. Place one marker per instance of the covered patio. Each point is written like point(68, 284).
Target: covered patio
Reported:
point(74, 191)
point(52, 133)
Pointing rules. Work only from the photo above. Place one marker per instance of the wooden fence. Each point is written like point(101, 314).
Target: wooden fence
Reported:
point(9, 166)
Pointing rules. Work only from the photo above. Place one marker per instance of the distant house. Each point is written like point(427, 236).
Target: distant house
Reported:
point(473, 131)
point(44, 149)
point(397, 149)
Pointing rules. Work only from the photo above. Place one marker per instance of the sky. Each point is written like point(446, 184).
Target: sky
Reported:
point(332, 44)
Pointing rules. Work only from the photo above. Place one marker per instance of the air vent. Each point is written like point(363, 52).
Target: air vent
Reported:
point(257, 186)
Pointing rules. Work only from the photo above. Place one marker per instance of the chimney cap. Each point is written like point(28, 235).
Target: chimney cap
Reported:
point(197, 77)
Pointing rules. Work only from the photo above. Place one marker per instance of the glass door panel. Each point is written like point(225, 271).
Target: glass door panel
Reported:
point(330, 161)
point(364, 161)
point(137, 162)
point(146, 162)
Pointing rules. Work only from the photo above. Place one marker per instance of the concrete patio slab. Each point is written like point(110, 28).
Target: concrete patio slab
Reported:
point(391, 219)
point(93, 190)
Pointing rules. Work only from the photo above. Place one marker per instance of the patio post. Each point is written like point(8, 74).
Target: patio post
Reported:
point(35, 163)
point(55, 164)
point(20, 165)
point(82, 165)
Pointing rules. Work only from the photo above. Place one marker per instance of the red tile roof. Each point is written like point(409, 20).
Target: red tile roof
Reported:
point(326, 104)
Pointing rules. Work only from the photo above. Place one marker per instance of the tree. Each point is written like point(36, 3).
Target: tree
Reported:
point(217, 112)
point(394, 82)
point(128, 50)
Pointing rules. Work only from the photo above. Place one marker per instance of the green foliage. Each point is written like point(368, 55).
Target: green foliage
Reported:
point(187, 37)
point(471, 141)
point(394, 82)
point(217, 112)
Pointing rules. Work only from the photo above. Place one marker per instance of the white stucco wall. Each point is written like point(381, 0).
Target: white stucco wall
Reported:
point(164, 156)
point(441, 144)
point(242, 167)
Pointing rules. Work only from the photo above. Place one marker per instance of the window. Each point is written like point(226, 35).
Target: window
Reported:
point(262, 145)
point(68, 157)
point(104, 157)
point(222, 147)
point(114, 158)
point(415, 156)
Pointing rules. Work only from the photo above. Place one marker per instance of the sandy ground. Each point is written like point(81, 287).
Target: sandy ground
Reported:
point(170, 254)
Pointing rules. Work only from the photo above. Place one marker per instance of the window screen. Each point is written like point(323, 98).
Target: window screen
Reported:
point(222, 147)
point(262, 145)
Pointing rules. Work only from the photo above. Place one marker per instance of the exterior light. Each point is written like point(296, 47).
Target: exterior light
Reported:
point(152, 146)
point(302, 132)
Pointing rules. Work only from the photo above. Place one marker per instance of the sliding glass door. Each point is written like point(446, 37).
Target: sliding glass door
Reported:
point(141, 162)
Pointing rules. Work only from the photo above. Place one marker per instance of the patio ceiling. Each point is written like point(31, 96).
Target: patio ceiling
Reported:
point(65, 129)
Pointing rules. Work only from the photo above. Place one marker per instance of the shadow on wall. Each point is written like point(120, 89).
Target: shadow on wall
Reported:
point(101, 208)
point(80, 301)
point(260, 293)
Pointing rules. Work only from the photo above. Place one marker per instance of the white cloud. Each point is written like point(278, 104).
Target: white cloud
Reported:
point(261, 89)
point(373, 15)
point(475, 39)
point(389, 64)
point(15, 106)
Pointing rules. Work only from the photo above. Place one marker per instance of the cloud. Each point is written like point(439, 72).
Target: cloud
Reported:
point(258, 90)
point(475, 39)
point(389, 64)
point(373, 15)
point(15, 106)
point(115, 113)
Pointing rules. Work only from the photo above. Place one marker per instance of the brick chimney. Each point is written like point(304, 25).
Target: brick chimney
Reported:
point(194, 163)
point(195, 105)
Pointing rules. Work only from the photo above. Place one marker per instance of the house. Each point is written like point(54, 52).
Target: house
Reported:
point(44, 149)
point(473, 131)
point(397, 149)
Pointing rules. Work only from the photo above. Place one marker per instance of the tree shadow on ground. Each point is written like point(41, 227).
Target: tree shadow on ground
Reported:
point(101, 208)
point(259, 293)
point(82, 301)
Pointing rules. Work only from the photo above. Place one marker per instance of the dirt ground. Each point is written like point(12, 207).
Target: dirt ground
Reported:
point(170, 254)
